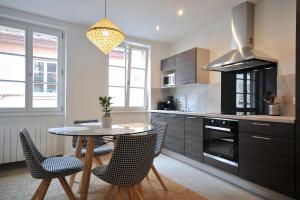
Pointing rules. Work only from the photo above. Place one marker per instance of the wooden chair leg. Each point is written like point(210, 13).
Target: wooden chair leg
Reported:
point(109, 192)
point(118, 194)
point(44, 189)
point(72, 180)
point(98, 160)
point(78, 149)
point(158, 177)
point(39, 190)
point(140, 189)
point(67, 188)
point(138, 194)
point(129, 193)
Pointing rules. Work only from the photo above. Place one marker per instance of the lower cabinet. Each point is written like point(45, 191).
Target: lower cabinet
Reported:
point(175, 133)
point(268, 161)
point(193, 130)
point(158, 117)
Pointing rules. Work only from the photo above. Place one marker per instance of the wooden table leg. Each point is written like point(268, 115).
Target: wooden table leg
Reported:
point(87, 167)
point(78, 149)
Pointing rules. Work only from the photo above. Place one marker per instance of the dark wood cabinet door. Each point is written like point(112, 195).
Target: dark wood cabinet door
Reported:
point(186, 64)
point(175, 133)
point(168, 64)
point(194, 137)
point(268, 161)
point(158, 117)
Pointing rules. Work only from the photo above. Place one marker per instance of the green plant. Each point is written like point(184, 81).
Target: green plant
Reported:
point(105, 102)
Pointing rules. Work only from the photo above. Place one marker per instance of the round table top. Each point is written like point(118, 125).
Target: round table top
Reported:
point(95, 129)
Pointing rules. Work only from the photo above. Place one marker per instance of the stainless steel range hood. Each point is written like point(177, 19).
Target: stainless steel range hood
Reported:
point(243, 55)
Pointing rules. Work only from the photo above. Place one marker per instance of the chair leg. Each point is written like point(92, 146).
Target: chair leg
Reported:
point(78, 149)
point(72, 180)
point(158, 177)
point(129, 193)
point(39, 190)
point(109, 192)
point(67, 188)
point(44, 189)
point(140, 189)
point(118, 194)
point(98, 160)
point(138, 194)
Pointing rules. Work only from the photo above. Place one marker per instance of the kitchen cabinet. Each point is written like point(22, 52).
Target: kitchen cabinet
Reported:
point(189, 67)
point(175, 133)
point(267, 156)
point(158, 117)
point(193, 131)
point(168, 64)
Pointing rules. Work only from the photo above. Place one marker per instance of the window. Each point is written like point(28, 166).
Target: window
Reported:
point(128, 76)
point(246, 92)
point(31, 67)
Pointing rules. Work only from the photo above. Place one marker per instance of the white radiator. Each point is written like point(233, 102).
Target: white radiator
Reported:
point(11, 147)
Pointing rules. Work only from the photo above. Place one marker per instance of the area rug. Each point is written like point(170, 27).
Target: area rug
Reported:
point(21, 186)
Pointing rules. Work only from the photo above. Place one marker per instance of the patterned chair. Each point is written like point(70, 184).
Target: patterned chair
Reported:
point(129, 165)
point(47, 169)
point(100, 148)
point(161, 129)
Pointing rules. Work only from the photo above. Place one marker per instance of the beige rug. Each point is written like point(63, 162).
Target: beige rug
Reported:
point(21, 186)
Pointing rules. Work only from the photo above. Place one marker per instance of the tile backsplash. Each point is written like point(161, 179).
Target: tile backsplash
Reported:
point(207, 97)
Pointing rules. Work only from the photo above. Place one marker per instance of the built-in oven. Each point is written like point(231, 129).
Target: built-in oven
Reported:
point(220, 143)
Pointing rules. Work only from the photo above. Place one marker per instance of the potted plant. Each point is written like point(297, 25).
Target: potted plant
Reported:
point(272, 101)
point(105, 102)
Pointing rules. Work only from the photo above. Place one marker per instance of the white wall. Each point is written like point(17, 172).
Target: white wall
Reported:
point(275, 29)
point(86, 75)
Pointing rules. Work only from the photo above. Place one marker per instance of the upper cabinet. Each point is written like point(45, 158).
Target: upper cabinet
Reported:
point(187, 66)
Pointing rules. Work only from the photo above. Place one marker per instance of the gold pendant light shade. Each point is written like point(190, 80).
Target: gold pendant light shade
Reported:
point(105, 35)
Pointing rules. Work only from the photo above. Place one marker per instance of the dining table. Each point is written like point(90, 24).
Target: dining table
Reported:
point(90, 131)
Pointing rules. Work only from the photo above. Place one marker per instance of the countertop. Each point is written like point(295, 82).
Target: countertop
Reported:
point(283, 119)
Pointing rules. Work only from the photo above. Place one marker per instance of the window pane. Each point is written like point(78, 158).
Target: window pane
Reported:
point(239, 86)
point(138, 58)
point(137, 78)
point(250, 101)
point(136, 97)
point(118, 96)
point(240, 76)
point(45, 45)
point(38, 71)
point(117, 57)
point(250, 86)
point(12, 40)
point(12, 67)
point(116, 76)
point(12, 95)
point(239, 100)
point(44, 96)
point(51, 73)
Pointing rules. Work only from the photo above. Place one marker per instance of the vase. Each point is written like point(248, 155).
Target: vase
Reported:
point(274, 110)
point(106, 122)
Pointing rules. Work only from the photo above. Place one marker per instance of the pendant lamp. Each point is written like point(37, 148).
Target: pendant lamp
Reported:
point(105, 35)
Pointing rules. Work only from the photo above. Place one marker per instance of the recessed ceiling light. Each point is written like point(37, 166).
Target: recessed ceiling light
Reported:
point(157, 27)
point(180, 12)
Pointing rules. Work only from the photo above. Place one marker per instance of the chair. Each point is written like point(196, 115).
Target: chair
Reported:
point(47, 169)
point(100, 148)
point(161, 129)
point(129, 165)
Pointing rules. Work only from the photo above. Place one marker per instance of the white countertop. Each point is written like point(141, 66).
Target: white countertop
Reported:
point(283, 119)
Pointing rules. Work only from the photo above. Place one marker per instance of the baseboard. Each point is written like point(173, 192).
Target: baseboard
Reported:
point(244, 184)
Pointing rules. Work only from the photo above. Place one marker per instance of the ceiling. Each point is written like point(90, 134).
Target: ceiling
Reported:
point(135, 17)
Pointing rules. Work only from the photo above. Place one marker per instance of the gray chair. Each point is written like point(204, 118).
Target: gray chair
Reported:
point(101, 147)
point(161, 129)
point(130, 163)
point(47, 169)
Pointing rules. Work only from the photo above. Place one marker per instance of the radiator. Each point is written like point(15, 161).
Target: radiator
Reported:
point(11, 147)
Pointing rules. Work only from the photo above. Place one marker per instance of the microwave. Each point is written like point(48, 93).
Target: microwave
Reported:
point(169, 79)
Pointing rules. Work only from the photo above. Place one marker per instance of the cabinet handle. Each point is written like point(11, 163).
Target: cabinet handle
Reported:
point(262, 138)
point(260, 124)
point(173, 115)
point(191, 117)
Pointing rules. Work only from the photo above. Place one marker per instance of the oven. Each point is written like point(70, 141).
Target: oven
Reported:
point(220, 143)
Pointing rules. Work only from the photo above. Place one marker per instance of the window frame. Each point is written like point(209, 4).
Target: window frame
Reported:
point(128, 46)
point(29, 28)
